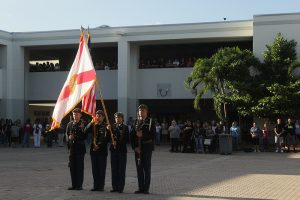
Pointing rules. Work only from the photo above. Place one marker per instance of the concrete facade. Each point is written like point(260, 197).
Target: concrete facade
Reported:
point(128, 84)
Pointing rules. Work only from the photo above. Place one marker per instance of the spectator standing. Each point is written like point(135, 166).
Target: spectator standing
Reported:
point(187, 137)
point(254, 131)
point(8, 125)
point(297, 131)
point(27, 130)
point(174, 131)
point(213, 125)
point(157, 133)
point(278, 129)
point(164, 131)
point(180, 124)
point(198, 135)
point(48, 135)
point(290, 134)
point(2, 131)
point(223, 127)
point(209, 136)
point(14, 134)
point(37, 131)
point(235, 133)
point(219, 130)
point(265, 137)
point(21, 135)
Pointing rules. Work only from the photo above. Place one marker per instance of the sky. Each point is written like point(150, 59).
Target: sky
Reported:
point(45, 15)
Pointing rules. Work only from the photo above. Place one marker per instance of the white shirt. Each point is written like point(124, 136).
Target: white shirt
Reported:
point(37, 128)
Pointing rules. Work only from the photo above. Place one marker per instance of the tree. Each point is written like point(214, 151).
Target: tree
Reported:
point(226, 75)
point(279, 84)
point(283, 100)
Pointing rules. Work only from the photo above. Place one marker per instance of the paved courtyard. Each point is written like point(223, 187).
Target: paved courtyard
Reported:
point(43, 174)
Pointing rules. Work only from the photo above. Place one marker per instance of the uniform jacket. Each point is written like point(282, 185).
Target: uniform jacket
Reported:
point(99, 135)
point(147, 127)
point(121, 135)
point(76, 146)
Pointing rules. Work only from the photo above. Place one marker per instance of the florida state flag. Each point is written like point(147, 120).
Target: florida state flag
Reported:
point(80, 85)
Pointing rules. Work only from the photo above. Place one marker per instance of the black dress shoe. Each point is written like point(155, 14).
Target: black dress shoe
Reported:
point(146, 192)
point(113, 190)
point(139, 192)
point(78, 188)
point(97, 189)
point(71, 188)
point(120, 191)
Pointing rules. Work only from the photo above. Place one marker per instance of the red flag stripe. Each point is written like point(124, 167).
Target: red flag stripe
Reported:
point(86, 101)
point(94, 104)
point(89, 102)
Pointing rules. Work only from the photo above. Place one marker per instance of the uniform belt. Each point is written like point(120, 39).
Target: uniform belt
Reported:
point(79, 142)
point(147, 141)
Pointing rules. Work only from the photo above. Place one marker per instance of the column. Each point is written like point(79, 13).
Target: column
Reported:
point(14, 88)
point(127, 70)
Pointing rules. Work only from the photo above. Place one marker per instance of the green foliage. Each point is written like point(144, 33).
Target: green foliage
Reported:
point(284, 100)
point(280, 85)
point(224, 75)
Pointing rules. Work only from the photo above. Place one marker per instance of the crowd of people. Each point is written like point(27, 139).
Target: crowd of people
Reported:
point(203, 137)
point(112, 65)
point(188, 136)
point(14, 134)
point(167, 62)
point(50, 66)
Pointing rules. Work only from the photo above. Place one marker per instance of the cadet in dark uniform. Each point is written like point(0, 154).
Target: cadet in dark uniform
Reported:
point(142, 138)
point(76, 138)
point(118, 151)
point(98, 150)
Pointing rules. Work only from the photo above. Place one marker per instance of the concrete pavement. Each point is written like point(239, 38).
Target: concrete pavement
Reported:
point(31, 173)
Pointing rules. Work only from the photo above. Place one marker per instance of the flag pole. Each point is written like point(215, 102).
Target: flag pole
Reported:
point(101, 97)
point(105, 113)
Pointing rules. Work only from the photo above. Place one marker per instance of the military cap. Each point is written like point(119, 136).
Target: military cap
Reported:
point(143, 107)
point(119, 114)
point(100, 112)
point(76, 110)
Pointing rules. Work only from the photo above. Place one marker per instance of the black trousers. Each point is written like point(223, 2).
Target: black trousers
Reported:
point(118, 170)
point(76, 164)
point(144, 170)
point(99, 170)
point(174, 144)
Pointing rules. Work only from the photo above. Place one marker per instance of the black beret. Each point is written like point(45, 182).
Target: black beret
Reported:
point(119, 114)
point(100, 112)
point(76, 110)
point(142, 107)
